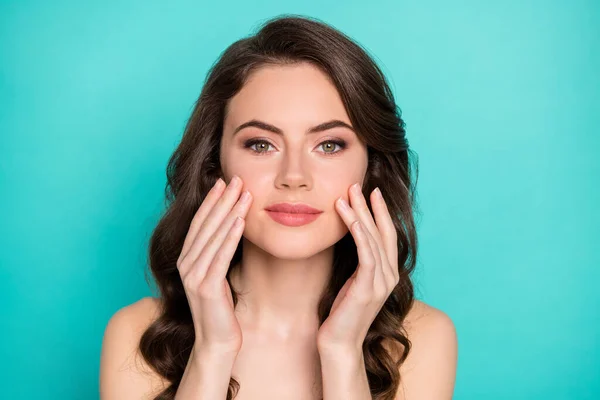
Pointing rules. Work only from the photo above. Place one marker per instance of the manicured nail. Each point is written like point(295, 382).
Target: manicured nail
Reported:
point(245, 196)
point(343, 203)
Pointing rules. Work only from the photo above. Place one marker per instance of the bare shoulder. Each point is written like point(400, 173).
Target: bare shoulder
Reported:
point(430, 368)
point(123, 372)
point(422, 313)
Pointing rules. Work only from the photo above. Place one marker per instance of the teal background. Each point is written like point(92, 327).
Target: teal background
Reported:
point(501, 102)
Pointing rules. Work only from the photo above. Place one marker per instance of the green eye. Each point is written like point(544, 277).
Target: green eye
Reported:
point(264, 143)
point(328, 145)
point(331, 145)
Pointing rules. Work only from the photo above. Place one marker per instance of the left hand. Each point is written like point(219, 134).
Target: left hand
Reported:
point(364, 293)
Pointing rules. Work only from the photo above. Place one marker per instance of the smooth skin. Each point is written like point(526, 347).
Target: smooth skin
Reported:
point(365, 292)
point(432, 358)
point(214, 234)
point(270, 341)
point(208, 248)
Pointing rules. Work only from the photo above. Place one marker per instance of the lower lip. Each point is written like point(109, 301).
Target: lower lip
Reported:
point(292, 219)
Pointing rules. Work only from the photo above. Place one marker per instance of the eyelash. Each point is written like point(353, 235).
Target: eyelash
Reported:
point(251, 142)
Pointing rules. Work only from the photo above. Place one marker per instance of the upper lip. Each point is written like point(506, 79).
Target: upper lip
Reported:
point(293, 208)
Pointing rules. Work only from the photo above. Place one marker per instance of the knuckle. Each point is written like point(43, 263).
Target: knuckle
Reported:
point(219, 258)
point(212, 239)
point(388, 287)
point(198, 221)
point(195, 220)
point(360, 206)
point(380, 291)
point(182, 263)
point(370, 264)
point(224, 200)
point(189, 284)
point(222, 255)
point(193, 277)
point(189, 278)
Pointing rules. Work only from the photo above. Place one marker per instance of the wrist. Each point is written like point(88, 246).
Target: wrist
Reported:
point(346, 355)
point(213, 355)
point(207, 374)
point(337, 348)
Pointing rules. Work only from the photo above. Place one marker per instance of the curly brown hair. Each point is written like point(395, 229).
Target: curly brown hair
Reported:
point(195, 166)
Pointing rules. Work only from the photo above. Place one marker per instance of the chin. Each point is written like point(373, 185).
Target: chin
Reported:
point(296, 243)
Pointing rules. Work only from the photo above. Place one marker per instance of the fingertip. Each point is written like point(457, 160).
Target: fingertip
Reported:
point(239, 221)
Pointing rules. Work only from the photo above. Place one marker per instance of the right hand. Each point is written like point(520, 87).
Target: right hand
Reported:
point(207, 251)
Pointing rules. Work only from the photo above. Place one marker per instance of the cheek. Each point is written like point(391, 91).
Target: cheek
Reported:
point(234, 164)
point(337, 181)
point(256, 181)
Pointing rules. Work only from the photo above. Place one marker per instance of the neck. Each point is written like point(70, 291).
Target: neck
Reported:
point(280, 297)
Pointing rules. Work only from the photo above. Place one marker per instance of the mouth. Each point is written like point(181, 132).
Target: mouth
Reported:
point(292, 219)
point(293, 214)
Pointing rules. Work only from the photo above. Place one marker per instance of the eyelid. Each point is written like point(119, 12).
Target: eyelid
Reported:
point(341, 143)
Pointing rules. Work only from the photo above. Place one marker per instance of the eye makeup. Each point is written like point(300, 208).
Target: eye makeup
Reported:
point(248, 144)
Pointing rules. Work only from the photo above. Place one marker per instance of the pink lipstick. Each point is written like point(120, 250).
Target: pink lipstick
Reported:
point(289, 214)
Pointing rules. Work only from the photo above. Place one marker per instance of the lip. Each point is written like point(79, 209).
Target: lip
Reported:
point(297, 214)
point(293, 208)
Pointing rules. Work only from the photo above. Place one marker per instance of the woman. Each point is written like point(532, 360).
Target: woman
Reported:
point(292, 117)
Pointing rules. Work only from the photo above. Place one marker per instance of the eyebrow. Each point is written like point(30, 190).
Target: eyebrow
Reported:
point(335, 123)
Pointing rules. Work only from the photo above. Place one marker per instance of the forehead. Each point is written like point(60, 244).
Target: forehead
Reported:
point(287, 96)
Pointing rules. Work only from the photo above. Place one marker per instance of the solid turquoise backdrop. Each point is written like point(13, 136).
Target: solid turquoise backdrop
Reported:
point(501, 102)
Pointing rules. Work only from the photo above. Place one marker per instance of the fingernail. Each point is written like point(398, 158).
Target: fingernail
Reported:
point(245, 196)
point(219, 184)
point(343, 203)
point(378, 192)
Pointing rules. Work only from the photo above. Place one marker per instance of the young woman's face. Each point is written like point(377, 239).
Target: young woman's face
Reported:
point(295, 166)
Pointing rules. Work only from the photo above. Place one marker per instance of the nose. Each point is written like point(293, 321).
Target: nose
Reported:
point(294, 172)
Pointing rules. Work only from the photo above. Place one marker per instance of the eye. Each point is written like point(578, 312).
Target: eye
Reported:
point(332, 144)
point(263, 144)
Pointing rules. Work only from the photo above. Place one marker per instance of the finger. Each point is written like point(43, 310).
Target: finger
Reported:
point(209, 202)
point(205, 259)
point(365, 276)
point(220, 264)
point(380, 278)
point(360, 207)
point(214, 219)
point(351, 213)
point(387, 229)
point(366, 267)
